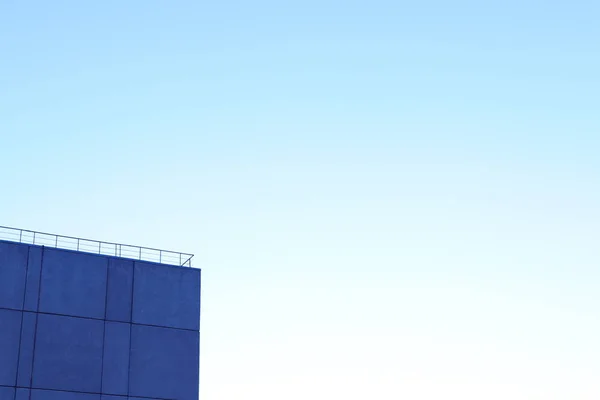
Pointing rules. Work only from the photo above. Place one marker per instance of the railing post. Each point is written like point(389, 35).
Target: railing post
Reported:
point(21, 236)
point(33, 237)
point(140, 254)
point(56, 241)
point(77, 244)
point(160, 256)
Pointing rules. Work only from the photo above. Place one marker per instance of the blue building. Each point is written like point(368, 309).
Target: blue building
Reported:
point(117, 325)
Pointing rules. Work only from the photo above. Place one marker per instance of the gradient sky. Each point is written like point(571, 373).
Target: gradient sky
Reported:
point(388, 199)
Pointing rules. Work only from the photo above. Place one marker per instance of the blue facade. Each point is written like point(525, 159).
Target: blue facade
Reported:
point(78, 326)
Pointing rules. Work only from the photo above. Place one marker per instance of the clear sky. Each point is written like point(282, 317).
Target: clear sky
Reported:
point(388, 199)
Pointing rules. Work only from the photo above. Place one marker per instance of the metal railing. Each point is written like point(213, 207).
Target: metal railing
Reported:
point(95, 246)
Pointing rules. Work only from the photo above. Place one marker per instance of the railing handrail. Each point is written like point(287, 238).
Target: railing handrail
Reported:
point(132, 251)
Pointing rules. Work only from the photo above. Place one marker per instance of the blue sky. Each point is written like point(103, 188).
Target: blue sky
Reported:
point(387, 199)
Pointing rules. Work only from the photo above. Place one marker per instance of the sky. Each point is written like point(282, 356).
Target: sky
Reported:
point(387, 199)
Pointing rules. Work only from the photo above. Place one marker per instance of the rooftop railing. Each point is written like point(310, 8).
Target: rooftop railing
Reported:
point(95, 246)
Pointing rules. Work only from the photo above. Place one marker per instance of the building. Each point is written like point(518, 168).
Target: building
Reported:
point(88, 320)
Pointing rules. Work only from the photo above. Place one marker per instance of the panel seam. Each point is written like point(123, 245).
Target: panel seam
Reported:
point(104, 328)
point(130, 329)
point(36, 322)
point(22, 315)
point(100, 319)
point(82, 392)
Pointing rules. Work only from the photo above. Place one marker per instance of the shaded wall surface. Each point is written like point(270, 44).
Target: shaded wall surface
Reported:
point(79, 326)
